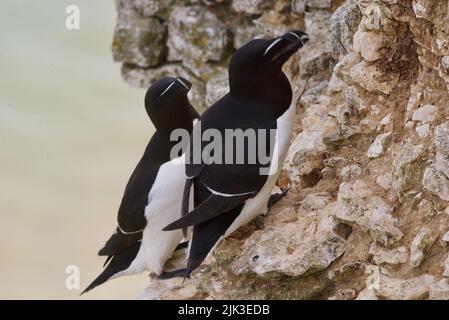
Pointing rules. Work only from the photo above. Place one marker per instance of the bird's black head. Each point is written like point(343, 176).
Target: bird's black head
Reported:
point(255, 70)
point(167, 104)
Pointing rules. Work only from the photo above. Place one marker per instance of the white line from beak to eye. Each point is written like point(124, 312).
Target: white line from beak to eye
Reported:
point(271, 46)
point(167, 88)
point(294, 34)
point(131, 232)
point(182, 82)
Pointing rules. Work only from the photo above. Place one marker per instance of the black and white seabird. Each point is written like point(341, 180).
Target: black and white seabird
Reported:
point(227, 196)
point(154, 192)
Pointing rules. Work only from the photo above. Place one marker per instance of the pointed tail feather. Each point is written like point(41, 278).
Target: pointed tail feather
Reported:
point(206, 235)
point(117, 263)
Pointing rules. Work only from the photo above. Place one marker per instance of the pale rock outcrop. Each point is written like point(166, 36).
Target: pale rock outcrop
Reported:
point(406, 166)
point(172, 289)
point(426, 208)
point(422, 242)
point(131, 39)
point(384, 181)
point(425, 114)
point(350, 172)
point(344, 294)
point(195, 36)
point(369, 45)
point(445, 237)
point(367, 294)
point(404, 289)
point(251, 6)
point(423, 130)
point(307, 150)
point(369, 162)
point(446, 267)
point(217, 87)
point(294, 249)
point(306, 157)
point(439, 290)
point(343, 24)
point(383, 255)
point(442, 148)
point(151, 7)
point(436, 182)
point(372, 79)
point(371, 213)
point(377, 147)
point(314, 202)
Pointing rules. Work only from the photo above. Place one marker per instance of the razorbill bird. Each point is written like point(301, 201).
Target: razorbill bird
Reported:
point(153, 195)
point(227, 196)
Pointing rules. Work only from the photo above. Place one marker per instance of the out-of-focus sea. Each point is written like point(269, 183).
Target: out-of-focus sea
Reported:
point(71, 132)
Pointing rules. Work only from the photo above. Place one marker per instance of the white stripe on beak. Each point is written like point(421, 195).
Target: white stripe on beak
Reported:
point(300, 38)
point(182, 82)
point(295, 35)
point(271, 46)
point(167, 89)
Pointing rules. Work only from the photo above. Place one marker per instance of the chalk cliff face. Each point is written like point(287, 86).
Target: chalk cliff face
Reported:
point(368, 214)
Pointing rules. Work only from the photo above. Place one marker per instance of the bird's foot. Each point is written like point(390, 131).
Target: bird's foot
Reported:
point(274, 198)
point(172, 274)
point(259, 221)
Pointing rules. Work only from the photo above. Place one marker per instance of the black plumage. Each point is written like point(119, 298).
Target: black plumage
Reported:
point(168, 107)
point(260, 94)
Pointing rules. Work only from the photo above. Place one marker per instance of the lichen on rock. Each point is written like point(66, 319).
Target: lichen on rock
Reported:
point(295, 249)
point(196, 36)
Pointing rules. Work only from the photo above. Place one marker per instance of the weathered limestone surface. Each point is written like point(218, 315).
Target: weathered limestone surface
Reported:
point(367, 215)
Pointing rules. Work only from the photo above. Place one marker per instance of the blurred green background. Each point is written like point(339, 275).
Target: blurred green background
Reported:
point(71, 132)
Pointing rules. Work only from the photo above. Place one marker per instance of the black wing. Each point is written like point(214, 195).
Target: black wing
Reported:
point(131, 214)
point(213, 206)
point(229, 184)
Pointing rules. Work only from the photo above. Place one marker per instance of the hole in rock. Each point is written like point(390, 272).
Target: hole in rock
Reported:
point(312, 178)
point(343, 230)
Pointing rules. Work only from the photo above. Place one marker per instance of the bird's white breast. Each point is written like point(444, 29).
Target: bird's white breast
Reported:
point(257, 205)
point(164, 207)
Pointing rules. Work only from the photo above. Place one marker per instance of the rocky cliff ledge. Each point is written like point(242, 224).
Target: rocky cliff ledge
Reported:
point(368, 214)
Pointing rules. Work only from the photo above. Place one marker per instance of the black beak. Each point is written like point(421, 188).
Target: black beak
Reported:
point(297, 35)
point(184, 82)
point(283, 47)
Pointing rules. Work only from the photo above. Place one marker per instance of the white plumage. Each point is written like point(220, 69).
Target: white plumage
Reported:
point(258, 205)
point(164, 206)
